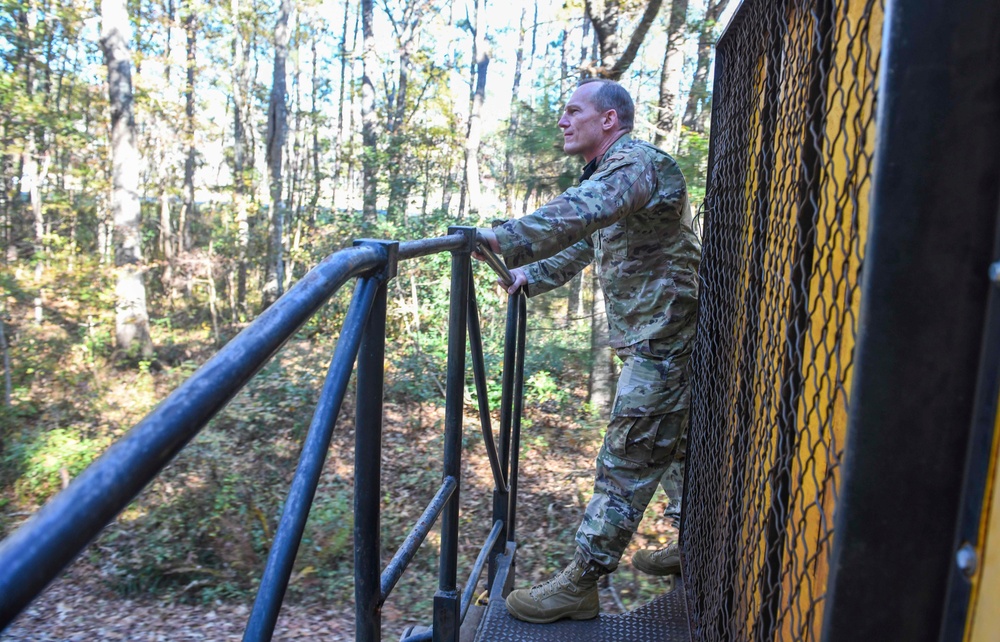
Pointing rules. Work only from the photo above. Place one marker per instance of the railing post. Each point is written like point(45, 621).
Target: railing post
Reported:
point(501, 495)
point(447, 602)
point(368, 457)
point(260, 626)
point(517, 406)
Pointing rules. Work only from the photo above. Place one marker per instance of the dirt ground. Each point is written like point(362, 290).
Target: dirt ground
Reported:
point(556, 478)
point(77, 608)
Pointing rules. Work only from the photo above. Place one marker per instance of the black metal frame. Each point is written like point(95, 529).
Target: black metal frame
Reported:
point(924, 386)
point(38, 551)
point(926, 369)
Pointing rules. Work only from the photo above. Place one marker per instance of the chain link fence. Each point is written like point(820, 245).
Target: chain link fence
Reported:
point(790, 172)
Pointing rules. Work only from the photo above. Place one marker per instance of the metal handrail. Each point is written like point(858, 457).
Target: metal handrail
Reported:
point(37, 552)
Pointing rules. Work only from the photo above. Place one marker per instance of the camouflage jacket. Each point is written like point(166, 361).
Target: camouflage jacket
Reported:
point(632, 215)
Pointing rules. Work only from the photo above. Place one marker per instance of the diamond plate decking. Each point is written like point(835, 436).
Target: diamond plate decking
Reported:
point(662, 620)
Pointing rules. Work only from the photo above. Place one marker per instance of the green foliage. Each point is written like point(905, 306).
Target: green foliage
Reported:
point(542, 388)
point(692, 158)
point(328, 541)
point(44, 457)
point(537, 149)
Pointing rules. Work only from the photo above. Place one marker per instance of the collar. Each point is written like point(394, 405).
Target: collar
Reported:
point(591, 167)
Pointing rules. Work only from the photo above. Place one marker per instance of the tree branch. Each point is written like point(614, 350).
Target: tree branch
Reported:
point(628, 56)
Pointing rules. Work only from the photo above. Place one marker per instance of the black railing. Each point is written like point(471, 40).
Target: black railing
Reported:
point(38, 551)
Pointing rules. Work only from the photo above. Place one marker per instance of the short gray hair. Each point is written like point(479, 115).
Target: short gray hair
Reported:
point(611, 95)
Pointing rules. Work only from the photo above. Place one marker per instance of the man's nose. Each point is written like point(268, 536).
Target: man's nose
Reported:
point(563, 123)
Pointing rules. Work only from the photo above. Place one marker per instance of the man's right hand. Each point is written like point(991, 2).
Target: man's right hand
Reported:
point(490, 237)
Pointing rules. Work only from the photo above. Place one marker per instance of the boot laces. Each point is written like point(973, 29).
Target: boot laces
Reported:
point(659, 555)
point(550, 587)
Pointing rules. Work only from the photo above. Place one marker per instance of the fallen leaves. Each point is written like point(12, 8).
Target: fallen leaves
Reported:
point(77, 608)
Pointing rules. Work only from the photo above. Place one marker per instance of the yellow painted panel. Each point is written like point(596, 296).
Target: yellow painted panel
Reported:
point(984, 608)
point(835, 293)
point(842, 219)
point(747, 596)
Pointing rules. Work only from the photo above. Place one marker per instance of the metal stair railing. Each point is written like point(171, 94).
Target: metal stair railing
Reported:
point(39, 550)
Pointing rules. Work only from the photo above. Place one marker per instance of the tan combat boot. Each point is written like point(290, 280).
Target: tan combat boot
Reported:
point(663, 561)
point(572, 593)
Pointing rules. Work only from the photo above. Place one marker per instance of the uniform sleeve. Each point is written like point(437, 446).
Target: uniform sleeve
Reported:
point(554, 271)
point(621, 186)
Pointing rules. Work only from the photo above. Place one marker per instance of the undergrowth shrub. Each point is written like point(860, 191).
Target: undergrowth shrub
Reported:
point(45, 458)
point(203, 528)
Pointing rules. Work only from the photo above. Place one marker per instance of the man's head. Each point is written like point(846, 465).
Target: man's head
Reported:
point(598, 113)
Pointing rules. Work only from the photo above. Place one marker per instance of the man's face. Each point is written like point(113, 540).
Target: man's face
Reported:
point(584, 128)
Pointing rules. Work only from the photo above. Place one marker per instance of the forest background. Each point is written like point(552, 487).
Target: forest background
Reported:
point(170, 167)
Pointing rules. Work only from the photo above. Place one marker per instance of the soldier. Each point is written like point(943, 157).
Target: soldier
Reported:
point(630, 213)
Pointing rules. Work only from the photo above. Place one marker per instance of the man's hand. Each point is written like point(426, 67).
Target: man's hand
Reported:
point(490, 237)
point(520, 279)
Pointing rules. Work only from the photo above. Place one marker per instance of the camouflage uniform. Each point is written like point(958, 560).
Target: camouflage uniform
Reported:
point(630, 212)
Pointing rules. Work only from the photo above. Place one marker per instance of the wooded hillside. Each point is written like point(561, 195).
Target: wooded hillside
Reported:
point(170, 167)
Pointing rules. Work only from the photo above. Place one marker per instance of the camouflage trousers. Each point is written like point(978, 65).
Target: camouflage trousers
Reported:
point(645, 446)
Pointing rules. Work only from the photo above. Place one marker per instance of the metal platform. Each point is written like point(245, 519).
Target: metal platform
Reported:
point(661, 620)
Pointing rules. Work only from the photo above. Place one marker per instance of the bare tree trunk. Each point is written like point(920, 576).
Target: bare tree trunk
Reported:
point(398, 188)
point(168, 7)
point(39, 169)
point(295, 161)
point(277, 117)
point(212, 293)
point(30, 157)
point(699, 100)
point(529, 190)
point(131, 318)
point(299, 159)
point(353, 184)
point(508, 183)
point(446, 187)
point(534, 38)
point(601, 388)
point(166, 237)
point(6, 196)
point(188, 212)
point(338, 154)
point(338, 158)
point(6, 362)
point(670, 78)
point(369, 160)
point(481, 57)
point(426, 191)
point(584, 68)
point(241, 114)
point(317, 175)
point(573, 297)
point(563, 63)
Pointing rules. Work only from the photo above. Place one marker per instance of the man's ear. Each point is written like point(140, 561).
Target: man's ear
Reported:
point(610, 121)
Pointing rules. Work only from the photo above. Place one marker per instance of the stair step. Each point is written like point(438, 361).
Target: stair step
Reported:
point(662, 620)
